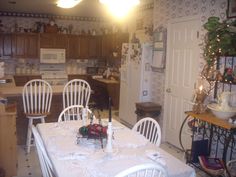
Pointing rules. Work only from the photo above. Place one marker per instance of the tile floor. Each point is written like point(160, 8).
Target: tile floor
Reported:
point(28, 164)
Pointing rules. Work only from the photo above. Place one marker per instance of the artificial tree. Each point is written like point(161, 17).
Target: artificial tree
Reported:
point(220, 40)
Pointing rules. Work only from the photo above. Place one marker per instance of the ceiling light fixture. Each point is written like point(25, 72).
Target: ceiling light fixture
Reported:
point(67, 3)
point(120, 8)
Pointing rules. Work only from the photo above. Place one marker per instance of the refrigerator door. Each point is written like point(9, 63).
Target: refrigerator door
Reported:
point(123, 105)
point(135, 80)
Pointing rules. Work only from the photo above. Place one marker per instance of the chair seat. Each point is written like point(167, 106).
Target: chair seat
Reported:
point(34, 115)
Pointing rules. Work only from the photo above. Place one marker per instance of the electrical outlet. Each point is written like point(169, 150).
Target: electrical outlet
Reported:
point(145, 93)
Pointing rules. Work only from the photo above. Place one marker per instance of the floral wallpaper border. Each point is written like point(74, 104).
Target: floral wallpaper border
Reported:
point(61, 17)
point(146, 6)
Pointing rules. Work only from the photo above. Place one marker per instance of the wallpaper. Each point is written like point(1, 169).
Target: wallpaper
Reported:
point(165, 10)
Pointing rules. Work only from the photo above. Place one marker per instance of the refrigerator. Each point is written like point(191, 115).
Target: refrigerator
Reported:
point(135, 79)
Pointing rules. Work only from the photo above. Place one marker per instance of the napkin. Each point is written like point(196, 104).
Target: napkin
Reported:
point(155, 156)
point(73, 156)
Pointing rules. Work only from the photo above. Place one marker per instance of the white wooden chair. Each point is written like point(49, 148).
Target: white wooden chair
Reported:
point(231, 167)
point(75, 112)
point(45, 162)
point(37, 97)
point(76, 92)
point(144, 170)
point(149, 128)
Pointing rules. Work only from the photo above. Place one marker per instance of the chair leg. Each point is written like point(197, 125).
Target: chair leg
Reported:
point(29, 136)
point(43, 120)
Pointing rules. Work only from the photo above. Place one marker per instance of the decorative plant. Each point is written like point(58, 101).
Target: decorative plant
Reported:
point(220, 39)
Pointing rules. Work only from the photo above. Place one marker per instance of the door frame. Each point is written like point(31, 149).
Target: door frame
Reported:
point(181, 19)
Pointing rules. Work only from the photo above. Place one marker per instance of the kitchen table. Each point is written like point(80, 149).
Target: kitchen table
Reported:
point(86, 158)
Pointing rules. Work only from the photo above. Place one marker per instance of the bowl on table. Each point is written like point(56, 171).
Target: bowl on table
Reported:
point(222, 113)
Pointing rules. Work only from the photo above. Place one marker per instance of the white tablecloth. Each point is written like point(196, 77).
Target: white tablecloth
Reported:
point(88, 159)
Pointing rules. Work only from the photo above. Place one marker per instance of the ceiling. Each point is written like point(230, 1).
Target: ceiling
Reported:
point(88, 8)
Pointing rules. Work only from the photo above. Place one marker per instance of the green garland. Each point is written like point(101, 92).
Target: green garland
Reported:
point(220, 39)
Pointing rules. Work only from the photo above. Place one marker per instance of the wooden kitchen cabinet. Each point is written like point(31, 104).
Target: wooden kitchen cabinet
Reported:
point(113, 43)
point(49, 40)
point(21, 80)
point(61, 41)
point(73, 47)
point(103, 90)
point(8, 151)
point(26, 45)
point(106, 46)
point(5, 45)
point(95, 47)
point(84, 46)
point(118, 39)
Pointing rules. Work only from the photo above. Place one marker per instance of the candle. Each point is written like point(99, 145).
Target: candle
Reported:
point(109, 109)
point(200, 89)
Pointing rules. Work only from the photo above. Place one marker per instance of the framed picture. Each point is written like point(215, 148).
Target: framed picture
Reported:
point(231, 11)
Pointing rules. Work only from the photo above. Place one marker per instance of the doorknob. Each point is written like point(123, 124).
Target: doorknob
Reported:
point(168, 90)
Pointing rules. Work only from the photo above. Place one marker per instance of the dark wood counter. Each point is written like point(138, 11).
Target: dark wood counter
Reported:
point(8, 151)
point(107, 88)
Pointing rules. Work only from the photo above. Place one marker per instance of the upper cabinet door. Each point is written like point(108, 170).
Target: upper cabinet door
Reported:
point(5, 45)
point(19, 45)
point(60, 41)
point(46, 40)
point(73, 47)
point(107, 43)
point(25, 46)
point(84, 46)
point(32, 46)
point(94, 47)
point(50, 40)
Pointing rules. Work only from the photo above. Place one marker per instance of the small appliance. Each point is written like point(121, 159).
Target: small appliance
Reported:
point(52, 55)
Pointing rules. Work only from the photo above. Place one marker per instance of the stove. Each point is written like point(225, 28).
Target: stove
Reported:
point(54, 74)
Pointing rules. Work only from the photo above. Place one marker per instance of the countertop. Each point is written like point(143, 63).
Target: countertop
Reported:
point(9, 91)
point(107, 81)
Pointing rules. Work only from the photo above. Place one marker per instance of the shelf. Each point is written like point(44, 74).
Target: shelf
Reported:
point(210, 118)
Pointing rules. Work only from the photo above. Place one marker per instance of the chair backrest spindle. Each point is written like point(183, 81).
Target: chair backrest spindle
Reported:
point(75, 112)
point(76, 92)
point(37, 97)
point(149, 128)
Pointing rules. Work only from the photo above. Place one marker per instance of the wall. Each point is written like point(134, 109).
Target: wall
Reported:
point(140, 20)
point(165, 10)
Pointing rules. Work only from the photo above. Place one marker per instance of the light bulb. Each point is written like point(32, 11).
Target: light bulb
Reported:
point(67, 3)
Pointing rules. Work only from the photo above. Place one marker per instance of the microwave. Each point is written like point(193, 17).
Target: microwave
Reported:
point(52, 55)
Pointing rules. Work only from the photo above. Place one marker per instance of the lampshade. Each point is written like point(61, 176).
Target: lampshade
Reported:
point(67, 3)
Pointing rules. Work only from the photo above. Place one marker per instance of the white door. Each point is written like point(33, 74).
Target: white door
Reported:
point(181, 73)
